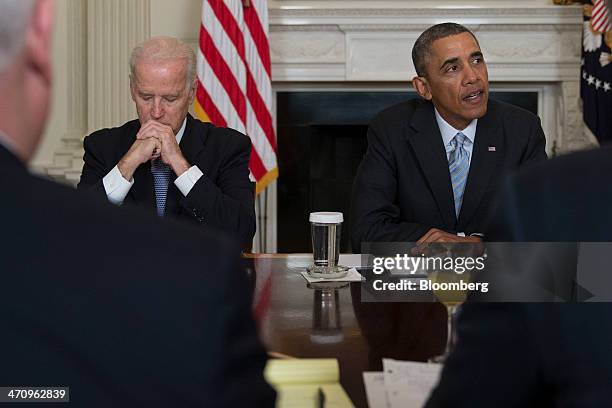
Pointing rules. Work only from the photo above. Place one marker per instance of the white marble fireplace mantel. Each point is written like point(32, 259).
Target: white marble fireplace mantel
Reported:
point(528, 44)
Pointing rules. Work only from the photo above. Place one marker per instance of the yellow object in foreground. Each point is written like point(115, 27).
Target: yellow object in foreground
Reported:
point(297, 382)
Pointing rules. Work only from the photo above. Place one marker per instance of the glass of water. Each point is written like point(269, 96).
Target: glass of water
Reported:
point(325, 228)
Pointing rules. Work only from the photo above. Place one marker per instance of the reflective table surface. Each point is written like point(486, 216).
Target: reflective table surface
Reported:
point(330, 321)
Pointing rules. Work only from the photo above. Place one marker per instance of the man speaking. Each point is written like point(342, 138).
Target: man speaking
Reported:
point(167, 161)
point(432, 164)
point(543, 354)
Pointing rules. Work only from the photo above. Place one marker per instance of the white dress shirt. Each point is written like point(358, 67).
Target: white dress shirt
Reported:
point(117, 187)
point(448, 133)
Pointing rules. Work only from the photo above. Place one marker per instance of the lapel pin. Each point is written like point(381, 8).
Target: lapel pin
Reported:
point(492, 148)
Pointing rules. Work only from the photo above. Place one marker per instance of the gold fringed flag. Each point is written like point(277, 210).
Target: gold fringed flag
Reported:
point(234, 78)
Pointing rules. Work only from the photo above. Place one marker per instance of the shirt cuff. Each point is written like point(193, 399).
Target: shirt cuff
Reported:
point(116, 186)
point(474, 234)
point(188, 179)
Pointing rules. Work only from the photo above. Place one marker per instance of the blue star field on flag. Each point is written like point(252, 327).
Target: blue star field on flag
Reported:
point(596, 72)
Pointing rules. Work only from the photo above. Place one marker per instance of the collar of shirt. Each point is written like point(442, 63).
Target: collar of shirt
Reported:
point(179, 135)
point(6, 143)
point(448, 132)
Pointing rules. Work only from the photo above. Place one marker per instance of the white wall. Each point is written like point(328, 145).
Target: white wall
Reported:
point(176, 18)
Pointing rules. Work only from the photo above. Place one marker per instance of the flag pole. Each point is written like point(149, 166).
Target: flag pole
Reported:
point(259, 222)
point(265, 222)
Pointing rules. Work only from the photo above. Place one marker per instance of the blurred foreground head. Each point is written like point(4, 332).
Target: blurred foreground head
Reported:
point(25, 73)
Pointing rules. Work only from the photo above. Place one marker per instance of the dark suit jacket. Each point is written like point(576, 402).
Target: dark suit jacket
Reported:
point(530, 354)
point(403, 186)
point(222, 198)
point(565, 199)
point(120, 306)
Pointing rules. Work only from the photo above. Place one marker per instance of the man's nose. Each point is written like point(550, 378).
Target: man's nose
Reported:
point(471, 75)
point(157, 111)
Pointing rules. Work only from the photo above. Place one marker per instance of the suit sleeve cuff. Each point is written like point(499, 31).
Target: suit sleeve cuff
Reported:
point(116, 186)
point(188, 179)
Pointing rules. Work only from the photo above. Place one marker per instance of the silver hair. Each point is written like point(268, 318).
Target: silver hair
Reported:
point(14, 18)
point(164, 49)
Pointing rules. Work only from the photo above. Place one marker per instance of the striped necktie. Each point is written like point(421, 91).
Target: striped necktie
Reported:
point(161, 179)
point(459, 166)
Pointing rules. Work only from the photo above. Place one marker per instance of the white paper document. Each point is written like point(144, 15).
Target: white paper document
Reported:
point(375, 389)
point(408, 384)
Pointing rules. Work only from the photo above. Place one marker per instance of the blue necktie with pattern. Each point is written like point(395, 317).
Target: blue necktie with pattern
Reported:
point(161, 179)
point(459, 167)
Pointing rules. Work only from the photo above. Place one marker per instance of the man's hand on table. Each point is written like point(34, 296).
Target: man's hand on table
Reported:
point(437, 236)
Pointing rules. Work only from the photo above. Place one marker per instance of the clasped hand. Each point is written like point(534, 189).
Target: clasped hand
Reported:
point(162, 139)
point(154, 140)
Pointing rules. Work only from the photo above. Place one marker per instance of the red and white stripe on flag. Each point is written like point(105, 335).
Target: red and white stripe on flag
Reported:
point(600, 20)
point(234, 78)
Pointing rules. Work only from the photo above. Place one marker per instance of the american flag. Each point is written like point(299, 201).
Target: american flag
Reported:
point(596, 72)
point(234, 78)
point(599, 20)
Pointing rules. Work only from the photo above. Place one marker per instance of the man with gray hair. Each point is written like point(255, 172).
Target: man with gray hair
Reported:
point(118, 327)
point(167, 161)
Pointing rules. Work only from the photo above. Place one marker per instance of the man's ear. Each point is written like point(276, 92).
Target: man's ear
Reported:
point(192, 91)
point(421, 86)
point(132, 88)
point(39, 40)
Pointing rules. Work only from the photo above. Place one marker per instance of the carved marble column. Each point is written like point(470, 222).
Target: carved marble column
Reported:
point(67, 157)
point(100, 37)
point(115, 27)
point(571, 135)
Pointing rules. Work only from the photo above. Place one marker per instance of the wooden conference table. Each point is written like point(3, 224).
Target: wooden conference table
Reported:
point(298, 320)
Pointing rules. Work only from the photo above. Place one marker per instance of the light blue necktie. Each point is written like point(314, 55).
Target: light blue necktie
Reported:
point(161, 179)
point(459, 167)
